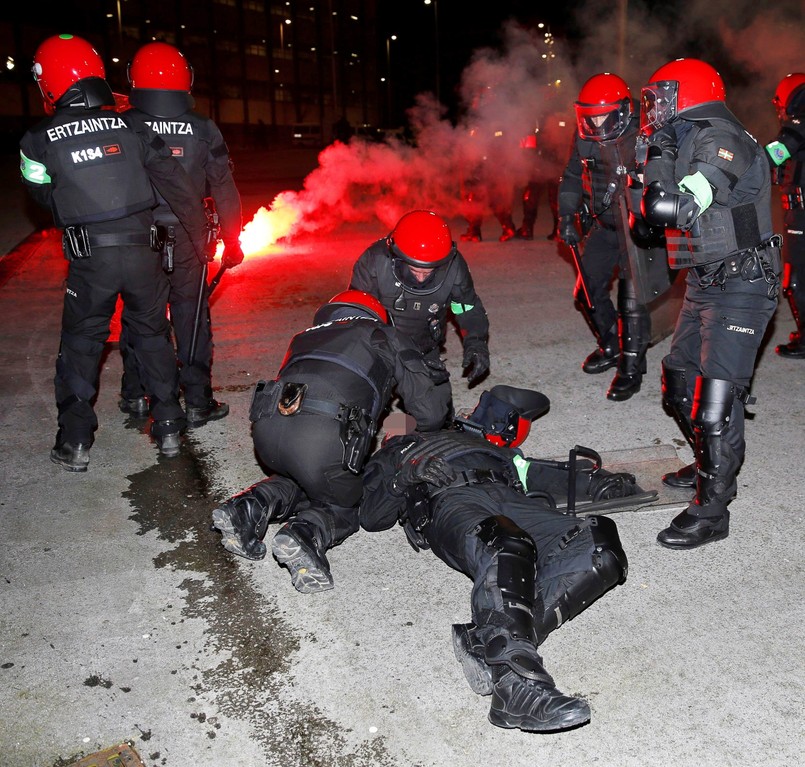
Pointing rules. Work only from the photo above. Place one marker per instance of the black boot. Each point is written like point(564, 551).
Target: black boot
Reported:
point(794, 349)
point(533, 705)
point(167, 435)
point(684, 477)
point(243, 521)
point(707, 518)
point(525, 232)
point(295, 546)
point(473, 233)
point(71, 457)
point(603, 358)
point(136, 408)
point(469, 651)
point(212, 411)
point(687, 531)
point(634, 330)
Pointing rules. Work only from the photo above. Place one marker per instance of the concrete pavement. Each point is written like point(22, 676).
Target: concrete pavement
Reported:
point(124, 619)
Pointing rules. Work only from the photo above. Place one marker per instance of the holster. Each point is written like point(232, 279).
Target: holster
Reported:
point(357, 432)
point(417, 516)
point(75, 242)
point(163, 240)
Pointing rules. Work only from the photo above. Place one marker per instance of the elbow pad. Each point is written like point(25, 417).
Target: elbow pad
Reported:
point(658, 207)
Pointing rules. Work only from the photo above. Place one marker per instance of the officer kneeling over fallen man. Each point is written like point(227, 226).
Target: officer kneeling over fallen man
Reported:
point(494, 515)
point(313, 428)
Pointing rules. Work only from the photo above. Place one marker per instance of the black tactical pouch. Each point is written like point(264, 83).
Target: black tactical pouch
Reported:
point(75, 242)
point(264, 399)
point(291, 398)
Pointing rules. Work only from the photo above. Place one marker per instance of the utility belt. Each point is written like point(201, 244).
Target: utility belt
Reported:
point(288, 399)
point(477, 477)
point(793, 199)
point(761, 263)
point(78, 243)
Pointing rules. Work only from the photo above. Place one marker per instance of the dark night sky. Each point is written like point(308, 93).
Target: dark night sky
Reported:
point(462, 30)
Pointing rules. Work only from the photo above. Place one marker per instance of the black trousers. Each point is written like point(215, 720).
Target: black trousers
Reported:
point(600, 259)
point(718, 334)
point(184, 281)
point(451, 535)
point(307, 449)
point(93, 284)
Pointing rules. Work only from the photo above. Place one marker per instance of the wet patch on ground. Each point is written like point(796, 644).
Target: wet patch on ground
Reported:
point(174, 498)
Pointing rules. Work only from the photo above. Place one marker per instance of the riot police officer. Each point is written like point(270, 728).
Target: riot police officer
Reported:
point(707, 181)
point(313, 428)
point(787, 157)
point(161, 81)
point(94, 169)
point(419, 276)
point(490, 513)
point(591, 190)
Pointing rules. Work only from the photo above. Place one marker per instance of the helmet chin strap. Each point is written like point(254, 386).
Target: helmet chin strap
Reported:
point(399, 302)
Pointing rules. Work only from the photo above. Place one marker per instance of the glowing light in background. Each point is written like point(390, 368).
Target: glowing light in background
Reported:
point(268, 226)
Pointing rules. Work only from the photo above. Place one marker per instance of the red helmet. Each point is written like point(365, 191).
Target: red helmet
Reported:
point(603, 108)
point(159, 66)
point(785, 89)
point(504, 414)
point(422, 239)
point(60, 62)
point(365, 303)
point(675, 87)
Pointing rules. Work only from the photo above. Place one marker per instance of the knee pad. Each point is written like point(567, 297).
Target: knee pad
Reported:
point(675, 389)
point(712, 404)
point(569, 591)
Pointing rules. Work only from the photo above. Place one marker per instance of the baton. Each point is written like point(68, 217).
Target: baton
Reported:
point(215, 280)
point(199, 303)
point(574, 249)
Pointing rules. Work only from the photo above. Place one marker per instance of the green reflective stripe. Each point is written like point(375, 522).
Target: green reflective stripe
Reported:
point(33, 171)
point(699, 187)
point(778, 152)
point(521, 464)
point(458, 308)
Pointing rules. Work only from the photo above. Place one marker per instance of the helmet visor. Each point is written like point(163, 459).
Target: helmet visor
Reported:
point(602, 123)
point(658, 105)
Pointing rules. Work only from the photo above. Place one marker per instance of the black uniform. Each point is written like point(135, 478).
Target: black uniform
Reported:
point(494, 520)
point(94, 169)
point(196, 142)
point(315, 425)
point(731, 294)
point(787, 156)
point(595, 174)
point(420, 309)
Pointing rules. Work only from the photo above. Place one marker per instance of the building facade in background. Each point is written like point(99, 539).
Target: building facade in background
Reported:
point(260, 67)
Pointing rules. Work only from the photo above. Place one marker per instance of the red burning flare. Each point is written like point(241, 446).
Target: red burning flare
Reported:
point(268, 226)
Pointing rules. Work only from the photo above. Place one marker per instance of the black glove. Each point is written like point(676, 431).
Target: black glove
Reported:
point(476, 363)
point(233, 254)
point(431, 469)
point(664, 138)
point(568, 232)
point(205, 250)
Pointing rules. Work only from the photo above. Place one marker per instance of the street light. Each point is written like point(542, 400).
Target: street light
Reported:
point(388, 77)
point(435, 5)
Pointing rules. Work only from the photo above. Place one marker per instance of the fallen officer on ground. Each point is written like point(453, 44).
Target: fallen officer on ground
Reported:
point(493, 514)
